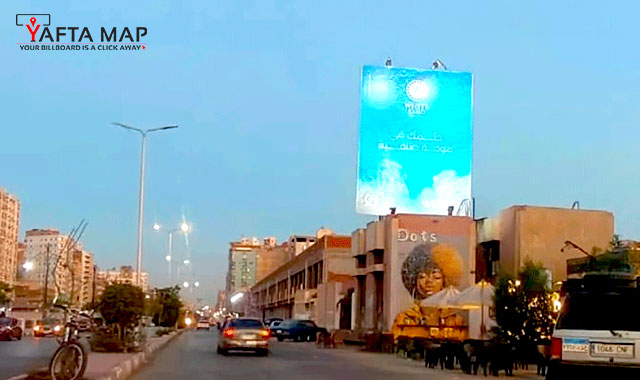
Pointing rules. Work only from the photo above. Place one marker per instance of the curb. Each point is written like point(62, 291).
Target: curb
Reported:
point(129, 366)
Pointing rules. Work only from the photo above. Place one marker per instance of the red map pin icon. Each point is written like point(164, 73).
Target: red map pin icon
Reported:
point(33, 21)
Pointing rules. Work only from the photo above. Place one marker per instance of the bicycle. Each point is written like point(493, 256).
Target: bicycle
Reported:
point(70, 359)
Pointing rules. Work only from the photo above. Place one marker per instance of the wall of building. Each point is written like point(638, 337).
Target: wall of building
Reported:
point(395, 252)
point(270, 258)
point(9, 226)
point(538, 233)
point(309, 285)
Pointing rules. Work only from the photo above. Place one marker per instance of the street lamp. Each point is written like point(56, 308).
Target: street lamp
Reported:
point(186, 261)
point(184, 227)
point(27, 266)
point(196, 284)
point(185, 284)
point(143, 133)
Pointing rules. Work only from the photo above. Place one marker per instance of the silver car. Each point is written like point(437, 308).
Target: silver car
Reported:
point(244, 334)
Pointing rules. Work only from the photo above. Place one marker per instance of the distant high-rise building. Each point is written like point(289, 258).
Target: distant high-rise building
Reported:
point(9, 226)
point(243, 264)
point(83, 267)
point(48, 252)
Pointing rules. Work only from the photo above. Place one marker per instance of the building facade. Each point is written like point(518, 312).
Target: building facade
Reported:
point(126, 275)
point(521, 233)
point(270, 257)
point(49, 252)
point(316, 284)
point(83, 277)
point(243, 264)
point(9, 227)
point(401, 260)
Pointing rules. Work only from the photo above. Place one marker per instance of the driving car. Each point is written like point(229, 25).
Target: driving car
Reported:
point(296, 329)
point(47, 327)
point(10, 329)
point(203, 324)
point(243, 334)
point(598, 331)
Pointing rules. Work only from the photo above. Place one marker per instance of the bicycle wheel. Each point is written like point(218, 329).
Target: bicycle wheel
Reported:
point(68, 362)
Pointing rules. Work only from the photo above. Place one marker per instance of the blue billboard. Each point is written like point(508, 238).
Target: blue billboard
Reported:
point(415, 141)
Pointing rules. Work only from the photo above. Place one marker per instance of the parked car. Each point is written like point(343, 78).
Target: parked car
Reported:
point(10, 329)
point(203, 324)
point(296, 329)
point(244, 334)
point(273, 326)
point(48, 327)
point(269, 321)
point(598, 331)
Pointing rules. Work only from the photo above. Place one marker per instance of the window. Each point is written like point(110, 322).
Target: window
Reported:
point(600, 311)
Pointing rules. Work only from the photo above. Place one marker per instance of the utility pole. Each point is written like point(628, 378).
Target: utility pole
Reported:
point(93, 287)
point(46, 285)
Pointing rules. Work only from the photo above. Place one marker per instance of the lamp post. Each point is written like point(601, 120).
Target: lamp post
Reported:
point(143, 141)
point(184, 228)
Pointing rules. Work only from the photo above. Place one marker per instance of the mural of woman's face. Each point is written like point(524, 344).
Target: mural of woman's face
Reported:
point(430, 282)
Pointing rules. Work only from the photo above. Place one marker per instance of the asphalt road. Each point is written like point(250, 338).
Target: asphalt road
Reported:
point(23, 356)
point(193, 356)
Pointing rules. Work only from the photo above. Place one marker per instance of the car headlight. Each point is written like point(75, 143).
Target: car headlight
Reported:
point(36, 328)
point(56, 329)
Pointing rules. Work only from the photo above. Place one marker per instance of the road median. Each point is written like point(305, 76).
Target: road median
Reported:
point(109, 366)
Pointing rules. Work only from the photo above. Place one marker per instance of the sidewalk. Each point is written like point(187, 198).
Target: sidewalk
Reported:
point(394, 362)
point(114, 366)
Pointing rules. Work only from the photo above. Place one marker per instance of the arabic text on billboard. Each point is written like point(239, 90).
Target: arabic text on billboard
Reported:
point(415, 141)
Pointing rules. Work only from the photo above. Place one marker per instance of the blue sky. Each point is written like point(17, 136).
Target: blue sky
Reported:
point(266, 94)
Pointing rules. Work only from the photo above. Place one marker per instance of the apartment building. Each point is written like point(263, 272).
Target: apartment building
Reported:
point(9, 226)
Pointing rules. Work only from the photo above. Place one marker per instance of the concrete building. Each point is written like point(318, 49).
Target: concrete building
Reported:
point(126, 275)
point(9, 227)
point(270, 257)
point(21, 259)
point(316, 284)
point(48, 251)
point(243, 264)
point(519, 233)
point(83, 277)
point(298, 243)
point(403, 259)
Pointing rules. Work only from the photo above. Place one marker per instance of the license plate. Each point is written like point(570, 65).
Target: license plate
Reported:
point(613, 350)
point(252, 343)
point(575, 345)
point(248, 336)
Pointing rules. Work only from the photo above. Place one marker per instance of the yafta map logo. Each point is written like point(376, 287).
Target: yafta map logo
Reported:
point(42, 36)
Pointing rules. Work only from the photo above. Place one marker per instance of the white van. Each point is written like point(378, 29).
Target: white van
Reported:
point(598, 330)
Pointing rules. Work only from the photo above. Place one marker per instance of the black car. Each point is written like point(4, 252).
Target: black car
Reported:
point(296, 329)
point(10, 329)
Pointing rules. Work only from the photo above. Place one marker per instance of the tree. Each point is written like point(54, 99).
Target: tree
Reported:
point(615, 242)
point(167, 307)
point(122, 305)
point(524, 306)
point(5, 289)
